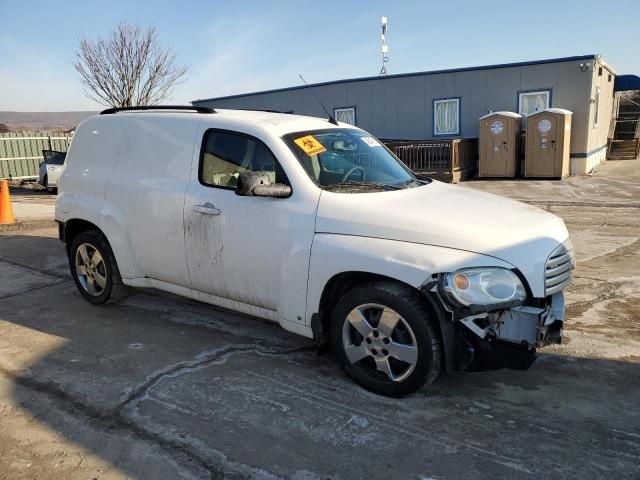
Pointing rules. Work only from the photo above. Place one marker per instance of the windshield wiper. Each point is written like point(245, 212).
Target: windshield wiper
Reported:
point(412, 180)
point(386, 186)
point(365, 184)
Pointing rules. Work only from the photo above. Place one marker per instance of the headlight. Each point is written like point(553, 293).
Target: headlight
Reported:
point(484, 286)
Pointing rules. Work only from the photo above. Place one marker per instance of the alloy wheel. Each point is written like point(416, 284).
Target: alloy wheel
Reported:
point(379, 340)
point(91, 269)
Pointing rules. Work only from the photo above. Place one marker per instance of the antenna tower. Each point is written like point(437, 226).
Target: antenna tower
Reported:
point(384, 48)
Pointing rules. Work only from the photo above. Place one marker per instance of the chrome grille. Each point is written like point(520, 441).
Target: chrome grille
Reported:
point(558, 270)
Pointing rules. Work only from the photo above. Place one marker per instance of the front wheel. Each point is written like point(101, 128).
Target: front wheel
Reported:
point(386, 339)
point(94, 269)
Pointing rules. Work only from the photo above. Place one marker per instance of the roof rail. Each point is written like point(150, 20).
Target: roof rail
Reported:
point(290, 112)
point(109, 111)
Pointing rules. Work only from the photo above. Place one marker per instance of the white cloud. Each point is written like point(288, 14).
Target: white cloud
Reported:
point(233, 51)
point(244, 57)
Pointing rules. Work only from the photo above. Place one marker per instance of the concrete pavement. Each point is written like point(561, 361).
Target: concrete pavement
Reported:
point(163, 387)
point(613, 184)
point(32, 203)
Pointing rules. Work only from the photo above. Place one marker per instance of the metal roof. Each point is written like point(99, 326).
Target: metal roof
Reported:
point(626, 82)
point(413, 74)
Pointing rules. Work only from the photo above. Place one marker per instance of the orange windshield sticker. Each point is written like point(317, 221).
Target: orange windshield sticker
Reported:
point(310, 145)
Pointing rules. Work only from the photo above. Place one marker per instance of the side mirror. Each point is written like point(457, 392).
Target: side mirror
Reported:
point(257, 184)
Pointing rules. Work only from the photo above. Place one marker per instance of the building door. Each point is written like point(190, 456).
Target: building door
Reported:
point(496, 148)
point(241, 248)
point(544, 148)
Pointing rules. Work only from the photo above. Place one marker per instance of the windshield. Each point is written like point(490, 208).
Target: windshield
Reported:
point(349, 159)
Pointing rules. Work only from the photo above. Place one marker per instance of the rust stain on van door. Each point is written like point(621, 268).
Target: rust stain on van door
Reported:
point(209, 271)
point(204, 247)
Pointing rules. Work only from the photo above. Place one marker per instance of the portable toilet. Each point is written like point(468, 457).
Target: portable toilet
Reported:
point(499, 144)
point(548, 143)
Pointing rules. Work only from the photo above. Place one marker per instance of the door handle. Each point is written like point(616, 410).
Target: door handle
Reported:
point(206, 209)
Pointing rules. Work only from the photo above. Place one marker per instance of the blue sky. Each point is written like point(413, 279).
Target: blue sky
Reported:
point(239, 46)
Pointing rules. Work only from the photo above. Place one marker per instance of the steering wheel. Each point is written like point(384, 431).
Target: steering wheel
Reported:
point(351, 172)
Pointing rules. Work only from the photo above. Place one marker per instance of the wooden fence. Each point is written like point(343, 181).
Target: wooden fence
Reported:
point(450, 160)
point(21, 152)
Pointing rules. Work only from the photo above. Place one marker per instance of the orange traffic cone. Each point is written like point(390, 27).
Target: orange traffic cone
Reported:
point(6, 210)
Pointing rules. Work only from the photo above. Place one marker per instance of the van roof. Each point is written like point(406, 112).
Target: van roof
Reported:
point(280, 123)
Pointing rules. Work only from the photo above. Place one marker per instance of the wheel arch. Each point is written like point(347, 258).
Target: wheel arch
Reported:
point(335, 256)
point(84, 234)
point(74, 227)
point(122, 253)
point(343, 282)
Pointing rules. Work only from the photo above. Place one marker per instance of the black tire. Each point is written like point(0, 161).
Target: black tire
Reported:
point(47, 187)
point(114, 290)
point(408, 305)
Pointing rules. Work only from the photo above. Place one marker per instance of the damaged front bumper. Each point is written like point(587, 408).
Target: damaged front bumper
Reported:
point(509, 338)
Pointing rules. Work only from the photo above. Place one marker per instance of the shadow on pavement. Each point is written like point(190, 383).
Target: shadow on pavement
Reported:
point(160, 387)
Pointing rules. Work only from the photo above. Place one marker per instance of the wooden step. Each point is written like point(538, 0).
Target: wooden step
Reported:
point(623, 149)
point(631, 151)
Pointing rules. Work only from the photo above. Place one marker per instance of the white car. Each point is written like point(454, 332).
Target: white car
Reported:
point(317, 226)
point(50, 169)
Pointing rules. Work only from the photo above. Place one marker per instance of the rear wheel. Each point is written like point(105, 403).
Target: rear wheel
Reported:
point(46, 185)
point(385, 339)
point(94, 269)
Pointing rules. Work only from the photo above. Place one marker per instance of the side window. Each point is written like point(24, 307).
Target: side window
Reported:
point(54, 158)
point(226, 155)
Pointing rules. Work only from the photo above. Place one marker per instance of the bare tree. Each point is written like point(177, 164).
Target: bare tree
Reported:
point(127, 69)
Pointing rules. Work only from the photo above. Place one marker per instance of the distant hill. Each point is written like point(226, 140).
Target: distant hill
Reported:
point(57, 121)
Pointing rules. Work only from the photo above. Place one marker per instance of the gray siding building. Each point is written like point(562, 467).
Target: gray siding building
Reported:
point(449, 103)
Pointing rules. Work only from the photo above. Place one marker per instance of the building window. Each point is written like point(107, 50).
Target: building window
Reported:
point(531, 102)
point(446, 116)
point(345, 115)
point(597, 108)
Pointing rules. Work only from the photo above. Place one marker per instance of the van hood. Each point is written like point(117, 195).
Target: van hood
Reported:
point(449, 216)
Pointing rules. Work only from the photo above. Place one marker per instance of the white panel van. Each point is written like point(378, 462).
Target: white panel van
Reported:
point(317, 226)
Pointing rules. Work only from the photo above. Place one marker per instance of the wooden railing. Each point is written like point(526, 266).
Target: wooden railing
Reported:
point(449, 160)
point(624, 128)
